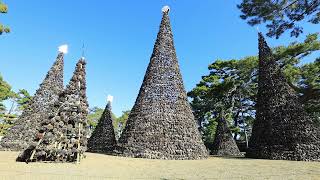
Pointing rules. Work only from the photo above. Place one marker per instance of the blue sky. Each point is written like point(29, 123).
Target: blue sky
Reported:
point(119, 37)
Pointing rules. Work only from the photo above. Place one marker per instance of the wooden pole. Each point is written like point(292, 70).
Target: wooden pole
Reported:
point(34, 151)
point(59, 144)
point(78, 153)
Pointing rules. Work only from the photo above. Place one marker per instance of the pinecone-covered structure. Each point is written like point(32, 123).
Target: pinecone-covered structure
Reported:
point(20, 135)
point(103, 138)
point(224, 144)
point(282, 129)
point(63, 136)
point(161, 124)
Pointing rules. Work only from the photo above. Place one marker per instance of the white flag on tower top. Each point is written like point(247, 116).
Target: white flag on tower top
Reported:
point(165, 9)
point(109, 98)
point(63, 49)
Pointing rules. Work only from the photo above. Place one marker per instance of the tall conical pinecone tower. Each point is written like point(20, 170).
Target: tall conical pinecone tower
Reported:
point(161, 124)
point(282, 129)
point(224, 144)
point(25, 128)
point(103, 137)
point(63, 136)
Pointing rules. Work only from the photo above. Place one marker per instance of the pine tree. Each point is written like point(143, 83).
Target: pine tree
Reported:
point(281, 15)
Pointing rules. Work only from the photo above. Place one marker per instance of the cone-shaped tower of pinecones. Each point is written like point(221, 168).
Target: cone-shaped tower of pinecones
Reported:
point(63, 136)
point(103, 137)
point(224, 144)
point(161, 124)
point(282, 129)
point(20, 135)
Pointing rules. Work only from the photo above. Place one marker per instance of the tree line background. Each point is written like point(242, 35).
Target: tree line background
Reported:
point(230, 85)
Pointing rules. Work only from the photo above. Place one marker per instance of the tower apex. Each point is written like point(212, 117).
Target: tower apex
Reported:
point(109, 99)
point(165, 9)
point(63, 49)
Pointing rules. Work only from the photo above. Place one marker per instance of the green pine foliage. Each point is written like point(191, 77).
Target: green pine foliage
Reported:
point(19, 100)
point(122, 119)
point(5, 94)
point(94, 116)
point(3, 9)
point(23, 99)
point(5, 90)
point(120, 123)
point(281, 15)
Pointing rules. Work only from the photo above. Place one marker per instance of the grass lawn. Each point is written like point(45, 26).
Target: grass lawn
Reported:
point(99, 166)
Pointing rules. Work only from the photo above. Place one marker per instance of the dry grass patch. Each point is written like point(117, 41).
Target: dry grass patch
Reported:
point(99, 166)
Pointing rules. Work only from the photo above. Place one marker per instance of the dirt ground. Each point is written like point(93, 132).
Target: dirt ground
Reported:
point(99, 166)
